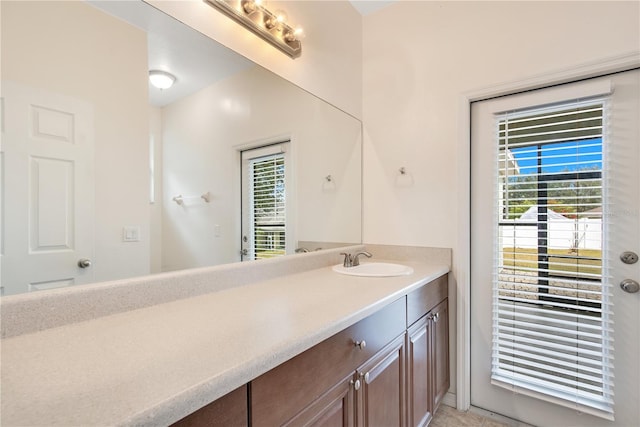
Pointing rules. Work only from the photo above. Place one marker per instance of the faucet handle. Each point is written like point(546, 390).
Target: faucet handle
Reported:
point(356, 261)
point(347, 259)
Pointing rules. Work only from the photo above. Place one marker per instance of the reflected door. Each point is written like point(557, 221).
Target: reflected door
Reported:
point(266, 219)
point(47, 227)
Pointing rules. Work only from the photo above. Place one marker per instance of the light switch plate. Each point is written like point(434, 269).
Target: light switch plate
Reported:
point(131, 233)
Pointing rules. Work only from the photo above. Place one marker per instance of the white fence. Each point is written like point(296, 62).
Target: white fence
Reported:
point(584, 233)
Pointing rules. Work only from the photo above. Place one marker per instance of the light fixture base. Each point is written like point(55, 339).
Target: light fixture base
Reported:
point(254, 22)
point(161, 79)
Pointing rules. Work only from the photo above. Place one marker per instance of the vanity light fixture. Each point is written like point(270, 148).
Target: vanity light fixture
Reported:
point(270, 26)
point(161, 79)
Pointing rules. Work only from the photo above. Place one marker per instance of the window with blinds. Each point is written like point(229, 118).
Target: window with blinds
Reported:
point(267, 205)
point(551, 322)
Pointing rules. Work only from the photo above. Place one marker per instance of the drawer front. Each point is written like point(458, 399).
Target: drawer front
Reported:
point(228, 411)
point(422, 300)
point(281, 393)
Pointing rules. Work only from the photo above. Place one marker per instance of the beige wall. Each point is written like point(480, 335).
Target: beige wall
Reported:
point(418, 60)
point(331, 62)
point(202, 137)
point(72, 49)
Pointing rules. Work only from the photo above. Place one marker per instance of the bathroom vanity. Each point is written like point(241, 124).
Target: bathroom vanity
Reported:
point(391, 368)
point(309, 346)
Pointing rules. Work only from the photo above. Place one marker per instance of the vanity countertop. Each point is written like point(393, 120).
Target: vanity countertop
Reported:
point(155, 365)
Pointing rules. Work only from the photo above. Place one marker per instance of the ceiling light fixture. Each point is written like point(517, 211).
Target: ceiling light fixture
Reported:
point(161, 79)
point(270, 26)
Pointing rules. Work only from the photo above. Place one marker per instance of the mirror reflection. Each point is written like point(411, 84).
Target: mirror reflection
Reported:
point(106, 177)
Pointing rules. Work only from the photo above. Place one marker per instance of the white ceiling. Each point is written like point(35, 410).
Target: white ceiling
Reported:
point(193, 58)
point(366, 7)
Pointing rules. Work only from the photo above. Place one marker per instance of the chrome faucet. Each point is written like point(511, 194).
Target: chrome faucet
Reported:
point(356, 260)
point(348, 261)
point(353, 260)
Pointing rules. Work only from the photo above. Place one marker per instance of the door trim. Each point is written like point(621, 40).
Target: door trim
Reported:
point(462, 262)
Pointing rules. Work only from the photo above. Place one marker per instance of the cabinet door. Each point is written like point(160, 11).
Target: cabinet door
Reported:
point(440, 351)
point(419, 393)
point(380, 400)
point(335, 408)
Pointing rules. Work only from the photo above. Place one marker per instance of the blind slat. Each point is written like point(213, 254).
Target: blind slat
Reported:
point(551, 329)
point(268, 205)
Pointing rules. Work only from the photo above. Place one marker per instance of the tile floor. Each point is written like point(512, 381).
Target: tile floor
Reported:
point(447, 416)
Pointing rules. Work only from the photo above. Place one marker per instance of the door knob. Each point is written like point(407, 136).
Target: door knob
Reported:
point(84, 263)
point(629, 257)
point(630, 286)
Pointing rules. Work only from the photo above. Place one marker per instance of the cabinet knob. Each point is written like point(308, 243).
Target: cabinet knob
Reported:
point(436, 317)
point(360, 344)
point(355, 384)
point(365, 377)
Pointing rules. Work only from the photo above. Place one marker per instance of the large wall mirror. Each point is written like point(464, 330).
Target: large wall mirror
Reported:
point(105, 177)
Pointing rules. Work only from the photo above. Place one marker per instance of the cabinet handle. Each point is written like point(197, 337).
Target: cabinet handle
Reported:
point(360, 344)
point(436, 317)
point(365, 377)
point(355, 384)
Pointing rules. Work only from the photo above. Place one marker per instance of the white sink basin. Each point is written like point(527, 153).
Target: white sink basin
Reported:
point(374, 269)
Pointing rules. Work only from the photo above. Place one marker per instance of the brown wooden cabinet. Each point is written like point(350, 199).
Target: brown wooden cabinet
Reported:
point(372, 395)
point(389, 369)
point(427, 353)
point(228, 411)
point(419, 406)
point(335, 408)
point(439, 354)
point(292, 393)
point(380, 398)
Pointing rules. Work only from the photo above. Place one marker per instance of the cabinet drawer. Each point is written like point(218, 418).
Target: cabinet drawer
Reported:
point(228, 411)
point(422, 300)
point(281, 393)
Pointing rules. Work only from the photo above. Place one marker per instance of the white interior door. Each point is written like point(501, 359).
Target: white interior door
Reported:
point(47, 180)
point(494, 222)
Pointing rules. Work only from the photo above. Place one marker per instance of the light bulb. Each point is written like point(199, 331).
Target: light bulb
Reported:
point(292, 35)
point(249, 6)
point(270, 21)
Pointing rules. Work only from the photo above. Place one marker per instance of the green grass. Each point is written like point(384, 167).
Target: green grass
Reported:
point(580, 263)
point(270, 254)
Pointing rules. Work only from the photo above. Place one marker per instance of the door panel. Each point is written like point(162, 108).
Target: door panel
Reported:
point(381, 398)
point(48, 203)
point(51, 207)
point(440, 346)
point(419, 375)
point(333, 409)
point(621, 229)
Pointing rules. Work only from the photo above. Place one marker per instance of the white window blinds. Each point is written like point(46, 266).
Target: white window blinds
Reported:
point(267, 205)
point(551, 312)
